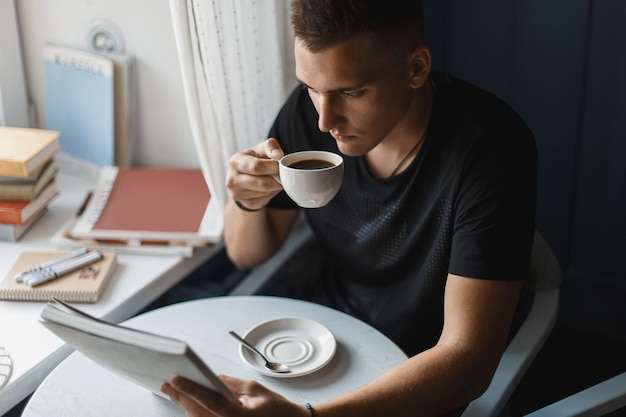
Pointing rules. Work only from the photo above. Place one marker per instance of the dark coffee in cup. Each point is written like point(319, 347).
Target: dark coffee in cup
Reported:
point(311, 178)
point(311, 164)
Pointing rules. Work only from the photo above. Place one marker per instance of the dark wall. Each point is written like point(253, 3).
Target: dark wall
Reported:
point(562, 65)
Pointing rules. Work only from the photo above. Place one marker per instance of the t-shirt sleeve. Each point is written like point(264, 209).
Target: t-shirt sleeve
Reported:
point(495, 218)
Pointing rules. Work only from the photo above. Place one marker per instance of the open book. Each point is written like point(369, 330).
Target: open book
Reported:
point(146, 359)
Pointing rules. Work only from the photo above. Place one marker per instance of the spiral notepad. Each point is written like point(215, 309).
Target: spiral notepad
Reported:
point(82, 286)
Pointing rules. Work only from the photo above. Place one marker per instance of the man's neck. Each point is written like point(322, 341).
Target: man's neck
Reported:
point(396, 152)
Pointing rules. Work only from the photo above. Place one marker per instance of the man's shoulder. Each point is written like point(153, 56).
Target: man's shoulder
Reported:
point(457, 94)
point(456, 85)
point(463, 105)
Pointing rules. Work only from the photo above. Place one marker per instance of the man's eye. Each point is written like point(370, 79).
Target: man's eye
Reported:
point(306, 87)
point(352, 94)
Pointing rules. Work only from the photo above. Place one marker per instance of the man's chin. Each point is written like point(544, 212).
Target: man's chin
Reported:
point(347, 150)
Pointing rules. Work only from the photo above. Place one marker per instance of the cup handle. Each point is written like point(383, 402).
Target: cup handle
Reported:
point(277, 178)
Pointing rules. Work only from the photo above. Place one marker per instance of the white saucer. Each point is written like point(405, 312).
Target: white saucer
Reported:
point(304, 345)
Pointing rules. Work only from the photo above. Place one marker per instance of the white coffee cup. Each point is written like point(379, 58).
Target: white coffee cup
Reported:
point(311, 178)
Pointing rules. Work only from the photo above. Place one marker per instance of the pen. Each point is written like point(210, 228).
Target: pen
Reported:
point(49, 273)
point(78, 252)
point(83, 206)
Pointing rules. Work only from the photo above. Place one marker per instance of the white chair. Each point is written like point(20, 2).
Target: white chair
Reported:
point(598, 400)
point(545, 277)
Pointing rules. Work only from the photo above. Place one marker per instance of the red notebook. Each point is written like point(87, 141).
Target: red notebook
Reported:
point(151, 204)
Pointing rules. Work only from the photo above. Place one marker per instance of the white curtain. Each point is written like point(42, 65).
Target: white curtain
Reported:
point(237, 66)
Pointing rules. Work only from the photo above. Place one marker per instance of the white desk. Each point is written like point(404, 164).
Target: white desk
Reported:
point(80, 387)
point(138, 280)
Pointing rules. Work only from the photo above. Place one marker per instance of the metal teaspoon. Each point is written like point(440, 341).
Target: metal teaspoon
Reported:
point(272, 366)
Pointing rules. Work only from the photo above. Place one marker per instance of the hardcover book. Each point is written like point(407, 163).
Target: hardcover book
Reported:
point(124, 107)
point(24, 151)
point(14, 188)
point(151, 205)
point(21, 212)
point(147, 359)
point(81, 286)
point(14, 232)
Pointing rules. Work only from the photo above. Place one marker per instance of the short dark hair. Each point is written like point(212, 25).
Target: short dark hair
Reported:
point(323, 23)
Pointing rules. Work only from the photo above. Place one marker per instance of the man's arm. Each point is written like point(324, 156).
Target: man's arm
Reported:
point(250, 236)
point(253, 237)
point(477, 319)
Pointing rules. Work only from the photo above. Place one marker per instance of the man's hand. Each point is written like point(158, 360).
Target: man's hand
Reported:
point(250, 174)
point(253, 400)
point(252, 238)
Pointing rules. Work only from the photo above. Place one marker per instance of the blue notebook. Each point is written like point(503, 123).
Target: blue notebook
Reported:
point(80, 103)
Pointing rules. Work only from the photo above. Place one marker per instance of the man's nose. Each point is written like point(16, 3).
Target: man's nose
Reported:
point(328, 115)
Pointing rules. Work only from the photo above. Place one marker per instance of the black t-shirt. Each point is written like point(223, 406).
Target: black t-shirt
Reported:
point(466, 206)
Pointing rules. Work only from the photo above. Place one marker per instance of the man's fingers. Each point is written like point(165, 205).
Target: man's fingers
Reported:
point(190, 405)
point(249, 163)
point(250, 177)
point(268, 149)
point(197, 400)
point(273, 149)
point(244, 186)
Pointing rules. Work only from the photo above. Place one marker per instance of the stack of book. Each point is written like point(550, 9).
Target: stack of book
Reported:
point(27, 178)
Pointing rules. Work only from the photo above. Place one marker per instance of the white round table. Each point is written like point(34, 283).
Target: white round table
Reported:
point(80, 387)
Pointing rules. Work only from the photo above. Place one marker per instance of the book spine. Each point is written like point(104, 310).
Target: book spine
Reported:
point(11, 217)
point(13, 169)
point(21, 192)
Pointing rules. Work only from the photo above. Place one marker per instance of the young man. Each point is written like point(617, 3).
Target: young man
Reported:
point(429, 237)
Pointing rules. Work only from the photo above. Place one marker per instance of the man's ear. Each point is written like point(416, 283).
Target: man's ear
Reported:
point(420, 66)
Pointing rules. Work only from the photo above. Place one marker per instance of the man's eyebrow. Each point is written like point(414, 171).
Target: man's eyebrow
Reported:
point(335, 90)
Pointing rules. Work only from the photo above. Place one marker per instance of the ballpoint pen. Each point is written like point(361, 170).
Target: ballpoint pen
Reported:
point(78, 252)
point(49, 273)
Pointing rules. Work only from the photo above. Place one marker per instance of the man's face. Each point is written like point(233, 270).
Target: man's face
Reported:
point(360, 91)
